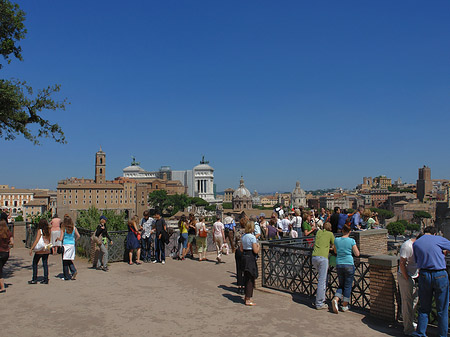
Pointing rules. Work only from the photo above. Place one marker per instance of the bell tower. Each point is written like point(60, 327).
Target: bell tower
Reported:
point(100, 167)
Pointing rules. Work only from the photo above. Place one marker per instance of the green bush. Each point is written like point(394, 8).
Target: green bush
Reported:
point(19, 218)
point(396, 228)
point(90, 219)
point(413, 227)
point(227, 205)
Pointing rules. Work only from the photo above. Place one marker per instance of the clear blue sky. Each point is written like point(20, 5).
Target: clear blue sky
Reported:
point(324, 92)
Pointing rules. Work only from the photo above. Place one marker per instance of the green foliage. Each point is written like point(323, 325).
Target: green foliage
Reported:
point(383, 213)
point(158, 199)
point(210, 208)
point(422, 215)
point(398, 189)
point(89, 219)
point(177, 202)
point(19, 108)
point(227, 205)
point(396, 228)
point(198, 202)
point(37, 217)
point(413, 227)
point(12, 30)
point(19, 218)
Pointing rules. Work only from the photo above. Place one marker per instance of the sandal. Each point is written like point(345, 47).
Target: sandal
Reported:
point(251, 304)
point(138, 262)
point(130, 263)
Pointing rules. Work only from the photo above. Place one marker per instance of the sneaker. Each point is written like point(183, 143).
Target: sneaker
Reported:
point(344, 309)
point(322, 307)
point(32, 282)
point(74, 275)
point(334, 305)
point(44, 282)
point(105, 269)
point(154, 261)
point(164, 262)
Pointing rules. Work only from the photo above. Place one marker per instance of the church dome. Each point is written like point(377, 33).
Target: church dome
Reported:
point(203, 167)
point(242, 191)
point(133, 168)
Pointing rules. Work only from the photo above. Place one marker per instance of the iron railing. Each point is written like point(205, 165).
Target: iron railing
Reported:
point(287, 266)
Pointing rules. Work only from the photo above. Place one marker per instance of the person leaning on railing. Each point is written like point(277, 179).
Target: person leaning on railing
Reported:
point(322, 245)
point(345, 267)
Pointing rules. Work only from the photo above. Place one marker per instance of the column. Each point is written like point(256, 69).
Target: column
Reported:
point(383, 287)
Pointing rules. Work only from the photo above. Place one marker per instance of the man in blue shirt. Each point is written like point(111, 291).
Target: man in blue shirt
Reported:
point(356, 219)
point(433, 279)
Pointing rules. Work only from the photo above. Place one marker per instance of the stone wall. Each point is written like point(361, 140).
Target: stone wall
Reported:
point(372, 241)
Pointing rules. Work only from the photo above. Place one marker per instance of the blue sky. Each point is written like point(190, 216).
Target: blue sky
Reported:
point(324, 92)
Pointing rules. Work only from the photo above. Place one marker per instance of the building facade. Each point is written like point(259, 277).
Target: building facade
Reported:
point(424, 183)
point(242, 198)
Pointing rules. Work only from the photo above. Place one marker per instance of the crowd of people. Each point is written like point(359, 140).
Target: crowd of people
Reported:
point(422, 274)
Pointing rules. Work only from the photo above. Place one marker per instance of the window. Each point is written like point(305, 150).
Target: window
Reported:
point(15, 203)
point(6, 203)
point(101, 171)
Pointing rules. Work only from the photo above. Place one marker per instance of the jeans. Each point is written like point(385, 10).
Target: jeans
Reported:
point(321, 265)
point(160, 250)
point(36, 259)
point(409, 295)
point(433, 283)
point(345, 272)
point(102, 256)
point(146, 253)
point(68, 264)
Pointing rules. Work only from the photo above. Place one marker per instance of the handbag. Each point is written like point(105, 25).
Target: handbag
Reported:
point(96, 239)
point(202, 233)
point(40, 245)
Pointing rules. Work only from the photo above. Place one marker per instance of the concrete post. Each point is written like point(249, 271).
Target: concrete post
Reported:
point(383, 289)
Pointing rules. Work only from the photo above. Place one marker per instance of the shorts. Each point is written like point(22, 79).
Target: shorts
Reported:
point(185, 239)
point(191, 239)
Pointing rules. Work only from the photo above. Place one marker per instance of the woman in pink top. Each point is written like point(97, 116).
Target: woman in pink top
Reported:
point(56, 232)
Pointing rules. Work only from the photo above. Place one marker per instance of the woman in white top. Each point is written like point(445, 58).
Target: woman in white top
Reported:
point(250, 248)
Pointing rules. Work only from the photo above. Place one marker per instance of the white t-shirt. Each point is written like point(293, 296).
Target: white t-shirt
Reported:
point(406, 251)
point(296, 221)
point(285, 225)
point(218, 228)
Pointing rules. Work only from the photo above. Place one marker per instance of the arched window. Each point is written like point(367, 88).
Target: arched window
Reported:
point(101, 160)
point(101, 171)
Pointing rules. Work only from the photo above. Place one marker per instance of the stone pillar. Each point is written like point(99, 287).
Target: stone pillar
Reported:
point(383, 287)
point(372, 241)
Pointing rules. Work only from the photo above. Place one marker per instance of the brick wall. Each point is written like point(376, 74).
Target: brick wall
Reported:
point(372, 241)
point(383, 287)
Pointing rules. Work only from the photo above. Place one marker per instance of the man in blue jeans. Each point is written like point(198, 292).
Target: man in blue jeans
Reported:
point(433, 280)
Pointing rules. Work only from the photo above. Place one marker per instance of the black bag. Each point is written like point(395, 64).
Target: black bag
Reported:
point(165, 237)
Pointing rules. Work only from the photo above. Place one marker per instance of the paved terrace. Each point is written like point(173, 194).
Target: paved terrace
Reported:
point(181, 298)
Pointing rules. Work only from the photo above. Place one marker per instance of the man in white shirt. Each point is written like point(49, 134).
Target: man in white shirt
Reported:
point(285, 226)
point(147, 225)
point(407, 273)
point(218, 237)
